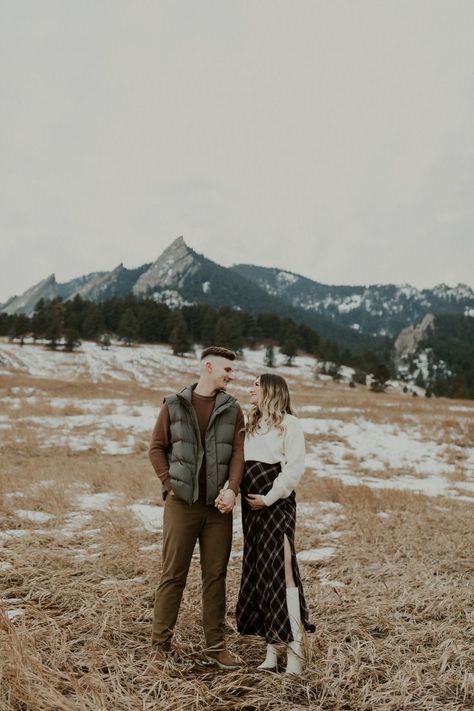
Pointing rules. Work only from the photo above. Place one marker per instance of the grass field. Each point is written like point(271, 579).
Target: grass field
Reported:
point(385, 536)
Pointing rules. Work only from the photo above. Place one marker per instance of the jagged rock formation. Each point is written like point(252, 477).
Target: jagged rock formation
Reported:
point(95, 289)
point(70, 288)
point(169, 271)
point(410, 338)
point(25, 304)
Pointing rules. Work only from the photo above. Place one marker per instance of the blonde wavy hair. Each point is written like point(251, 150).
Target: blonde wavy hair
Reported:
point(276, 403)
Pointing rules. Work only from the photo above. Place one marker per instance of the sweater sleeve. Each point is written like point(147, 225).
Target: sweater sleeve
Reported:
point(292, 466)
point(160, 445)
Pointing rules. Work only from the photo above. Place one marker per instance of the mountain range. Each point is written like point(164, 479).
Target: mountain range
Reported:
point(357, 317)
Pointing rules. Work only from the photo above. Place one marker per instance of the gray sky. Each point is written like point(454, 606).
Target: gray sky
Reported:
point(333, 138)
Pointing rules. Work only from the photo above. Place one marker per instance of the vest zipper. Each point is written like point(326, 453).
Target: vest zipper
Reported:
point(200, 448)
point(216, 412)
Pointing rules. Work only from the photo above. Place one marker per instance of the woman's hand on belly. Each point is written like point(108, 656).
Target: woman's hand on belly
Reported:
point(255, 501)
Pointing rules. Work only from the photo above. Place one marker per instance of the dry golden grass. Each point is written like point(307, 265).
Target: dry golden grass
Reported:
point(393, 605)
point(394, 609)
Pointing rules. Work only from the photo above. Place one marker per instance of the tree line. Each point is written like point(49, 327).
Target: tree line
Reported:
point(141, 320)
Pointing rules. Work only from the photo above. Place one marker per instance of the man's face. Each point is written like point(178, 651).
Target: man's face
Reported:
point(222, 372)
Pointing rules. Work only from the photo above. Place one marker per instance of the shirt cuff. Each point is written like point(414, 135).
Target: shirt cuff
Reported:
point(270, 498)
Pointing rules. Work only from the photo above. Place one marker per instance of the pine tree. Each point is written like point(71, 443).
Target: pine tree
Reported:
point(6, 323)
point(72, 340)
point(75, 312)
point(329, 351)
point(289, 345)
point(128, 327)
point(359, 377)
point(93, 324)
point(382, 373)
point(208, 328)
point(39, 320)
point(377, 386)
point(180, 339)
point(21, 326)
point(250, 329)
point(228, 333)
point(153, 321)
point(270, 357)
point(55, 323)
point(308, 339)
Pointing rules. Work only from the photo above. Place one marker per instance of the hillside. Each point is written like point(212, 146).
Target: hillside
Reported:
point(382, 309)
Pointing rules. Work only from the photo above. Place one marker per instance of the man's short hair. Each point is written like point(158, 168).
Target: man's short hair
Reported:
point(218, 351)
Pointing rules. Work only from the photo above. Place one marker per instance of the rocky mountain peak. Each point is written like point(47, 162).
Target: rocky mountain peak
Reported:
point(45, 289)
point(178, 243)
point(169, 270)
point(96, 287)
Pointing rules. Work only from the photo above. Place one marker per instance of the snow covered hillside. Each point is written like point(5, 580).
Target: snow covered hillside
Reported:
point(357, 437)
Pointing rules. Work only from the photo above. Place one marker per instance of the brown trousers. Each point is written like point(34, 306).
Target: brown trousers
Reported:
point(183, 525)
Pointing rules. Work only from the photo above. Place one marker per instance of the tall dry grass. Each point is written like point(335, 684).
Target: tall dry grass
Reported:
point(393, 605)
point(393, 609)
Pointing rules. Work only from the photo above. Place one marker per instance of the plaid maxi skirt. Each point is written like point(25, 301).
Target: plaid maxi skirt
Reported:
point(261, 606)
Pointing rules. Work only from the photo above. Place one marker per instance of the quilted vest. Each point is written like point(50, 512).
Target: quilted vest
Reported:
point(187, 453)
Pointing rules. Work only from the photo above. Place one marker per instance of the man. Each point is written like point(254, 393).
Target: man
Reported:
point(197, 450)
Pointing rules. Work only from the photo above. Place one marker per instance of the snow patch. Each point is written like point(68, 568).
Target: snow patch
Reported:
point(150, 516)
point(151, 547)
point(349, 303)
point(12, 533)
point(316, 555)
point(36, 516)
point(97, 502)
point(286, 278)
point(14, 613)
point(379, 446)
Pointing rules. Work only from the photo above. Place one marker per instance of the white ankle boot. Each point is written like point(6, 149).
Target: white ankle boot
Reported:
point(294, 664)
point(270, 661)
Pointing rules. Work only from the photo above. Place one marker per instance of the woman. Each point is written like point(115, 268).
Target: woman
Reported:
point(271, 601)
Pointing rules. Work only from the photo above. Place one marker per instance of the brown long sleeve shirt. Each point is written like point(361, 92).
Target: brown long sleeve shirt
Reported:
point(161, 443)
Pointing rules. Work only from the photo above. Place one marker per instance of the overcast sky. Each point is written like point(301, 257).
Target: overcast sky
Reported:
point(333, 138)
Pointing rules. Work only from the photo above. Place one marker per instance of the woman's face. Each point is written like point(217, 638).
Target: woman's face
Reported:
point(256, 393)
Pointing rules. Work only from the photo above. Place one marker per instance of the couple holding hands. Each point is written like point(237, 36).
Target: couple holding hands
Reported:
point(204, 453)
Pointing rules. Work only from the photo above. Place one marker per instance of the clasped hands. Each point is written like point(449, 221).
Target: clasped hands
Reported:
point(225, 501)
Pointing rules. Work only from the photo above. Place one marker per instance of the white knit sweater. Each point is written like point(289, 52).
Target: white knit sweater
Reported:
point(271, 446)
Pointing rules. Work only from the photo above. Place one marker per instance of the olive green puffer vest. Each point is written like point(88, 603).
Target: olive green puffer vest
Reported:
point(187, 453)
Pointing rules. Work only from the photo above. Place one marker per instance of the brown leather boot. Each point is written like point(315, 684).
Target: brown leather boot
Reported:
point(223, 659)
